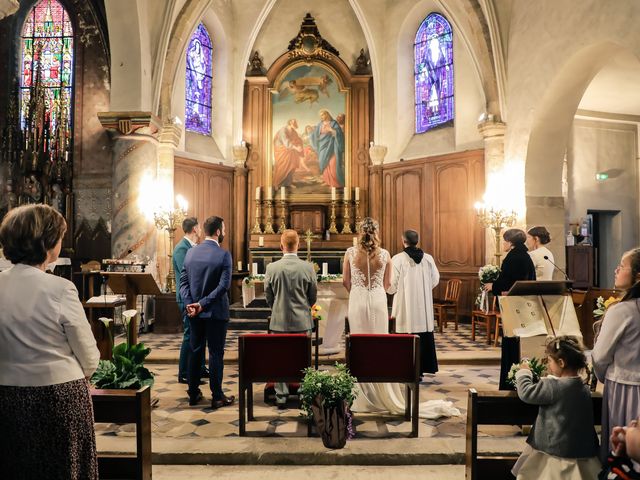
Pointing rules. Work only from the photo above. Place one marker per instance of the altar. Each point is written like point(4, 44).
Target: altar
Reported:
point(333, 299)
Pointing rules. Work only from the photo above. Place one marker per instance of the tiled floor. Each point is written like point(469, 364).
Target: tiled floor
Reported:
point(173, 417)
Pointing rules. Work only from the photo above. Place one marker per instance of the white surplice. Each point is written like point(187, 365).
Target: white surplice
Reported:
point(413, 285)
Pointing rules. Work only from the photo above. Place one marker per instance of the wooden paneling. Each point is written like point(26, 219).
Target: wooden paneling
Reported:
point(435, 196)
point(209, 190)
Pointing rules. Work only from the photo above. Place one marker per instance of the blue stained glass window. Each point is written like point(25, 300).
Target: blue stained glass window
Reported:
point(198, 82)
point(47, 47)
point(433, 56)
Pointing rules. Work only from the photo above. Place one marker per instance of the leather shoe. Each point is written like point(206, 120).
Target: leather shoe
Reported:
point(204, 373)
point(194, 399)
point(224, 402)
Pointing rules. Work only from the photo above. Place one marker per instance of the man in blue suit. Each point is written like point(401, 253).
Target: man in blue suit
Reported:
point(204, 283)
point(191, 229)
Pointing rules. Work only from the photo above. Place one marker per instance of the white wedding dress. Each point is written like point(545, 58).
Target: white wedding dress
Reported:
point(368, 314)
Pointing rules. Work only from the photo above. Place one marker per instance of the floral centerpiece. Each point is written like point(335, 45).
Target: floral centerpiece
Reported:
point(487, 274)
point(126, 370)
point(538, 370)
point(252, 279)
point(330, 277)
point(326, 397)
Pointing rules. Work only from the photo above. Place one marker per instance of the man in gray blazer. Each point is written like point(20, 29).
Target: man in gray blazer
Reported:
point(291, 289)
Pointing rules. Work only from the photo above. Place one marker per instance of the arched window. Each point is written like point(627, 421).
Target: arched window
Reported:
point(198, 82)
point(47, 60)
point(433, 56)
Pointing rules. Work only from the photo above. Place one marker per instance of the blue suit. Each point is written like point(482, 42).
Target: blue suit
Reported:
point(179, 254)
point(206, 279)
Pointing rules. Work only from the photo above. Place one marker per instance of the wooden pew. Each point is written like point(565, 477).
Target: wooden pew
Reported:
point(500, 408)
point(125, 406)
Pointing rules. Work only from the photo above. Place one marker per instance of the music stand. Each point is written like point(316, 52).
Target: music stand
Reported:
point(132, 284)
point(524, 288)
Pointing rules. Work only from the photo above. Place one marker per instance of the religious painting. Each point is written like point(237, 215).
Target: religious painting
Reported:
point(198, 82)
point(309, 136)
point(433, 55)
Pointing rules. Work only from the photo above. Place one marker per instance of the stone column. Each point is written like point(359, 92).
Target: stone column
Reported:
point(240, 224)
point(135, 155)
point(493, 134)
point(376, 198)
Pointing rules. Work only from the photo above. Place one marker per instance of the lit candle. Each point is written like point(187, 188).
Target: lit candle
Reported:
point(66, 156)
point(333, 193)
point(347, 194)
point(325, 269)
point(282, 193)
point(239, 266)
point(255, 269)
point(257, 193)
point(269, 193)
point(261, 241)
point(357, 194)
point(355, 241)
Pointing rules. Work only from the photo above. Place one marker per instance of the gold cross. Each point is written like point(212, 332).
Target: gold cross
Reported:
point(308, 237)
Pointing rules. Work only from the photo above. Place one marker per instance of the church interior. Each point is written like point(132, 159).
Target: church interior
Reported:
point(456, 119)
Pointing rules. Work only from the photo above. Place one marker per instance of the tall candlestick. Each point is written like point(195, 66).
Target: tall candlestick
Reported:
point(332, 218)
point(282, 193)
point(268, 223)
point(347, 194)
point(346, 227)
point(269, 193)
point(333, 194)
point(257, 193)
point(256, 226)
point(357, 193)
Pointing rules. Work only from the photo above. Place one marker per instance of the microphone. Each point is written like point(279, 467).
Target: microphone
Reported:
point(566, 277)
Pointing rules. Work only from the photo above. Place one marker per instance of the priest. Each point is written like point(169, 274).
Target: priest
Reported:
point(415, 275)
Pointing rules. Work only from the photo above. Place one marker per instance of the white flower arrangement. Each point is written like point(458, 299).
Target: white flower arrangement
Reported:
point(488, 274)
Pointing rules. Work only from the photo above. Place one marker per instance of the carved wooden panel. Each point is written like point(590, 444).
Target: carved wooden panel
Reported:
point(209, 190)
point(435, 197)
point(304, 218)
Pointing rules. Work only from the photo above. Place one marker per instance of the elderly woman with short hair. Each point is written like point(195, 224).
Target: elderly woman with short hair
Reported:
point(47, 352)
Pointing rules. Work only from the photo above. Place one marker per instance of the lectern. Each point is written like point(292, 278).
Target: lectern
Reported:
point(132, 284)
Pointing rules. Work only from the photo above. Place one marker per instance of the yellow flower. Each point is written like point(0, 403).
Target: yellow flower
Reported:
point(610, 301)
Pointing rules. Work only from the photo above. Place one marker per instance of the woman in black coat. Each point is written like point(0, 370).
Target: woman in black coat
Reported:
point(517, 265)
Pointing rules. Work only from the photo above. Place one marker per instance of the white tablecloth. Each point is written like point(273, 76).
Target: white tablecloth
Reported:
point(334, 300)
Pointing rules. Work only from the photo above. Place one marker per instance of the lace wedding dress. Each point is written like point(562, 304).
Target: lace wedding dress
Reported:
point(368, 314)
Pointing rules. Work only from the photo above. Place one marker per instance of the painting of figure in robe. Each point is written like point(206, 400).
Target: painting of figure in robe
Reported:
point(309, 114)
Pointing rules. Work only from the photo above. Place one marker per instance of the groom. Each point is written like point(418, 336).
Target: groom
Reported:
point(290, 289)
point(204, 283)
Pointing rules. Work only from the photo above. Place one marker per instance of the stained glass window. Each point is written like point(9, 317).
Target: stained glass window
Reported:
point(433, 56)
point(47, 57)
point(198, 82)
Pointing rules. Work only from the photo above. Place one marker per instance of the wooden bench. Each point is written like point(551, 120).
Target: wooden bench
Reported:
point(125, 406)
point(500, 408)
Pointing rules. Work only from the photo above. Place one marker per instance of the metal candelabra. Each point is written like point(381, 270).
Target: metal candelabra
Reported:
point(346, 228)
point(268, 223)
point(332, 224)
point(169, 220)
point(256, 226)
point(496, 219)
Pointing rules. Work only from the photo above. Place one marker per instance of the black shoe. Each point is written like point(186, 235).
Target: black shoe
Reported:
point(281, 406)
point(224, 402)
point(205, 373)
point(194, 399)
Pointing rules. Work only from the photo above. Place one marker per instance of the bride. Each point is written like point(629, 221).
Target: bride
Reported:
point(367, 273)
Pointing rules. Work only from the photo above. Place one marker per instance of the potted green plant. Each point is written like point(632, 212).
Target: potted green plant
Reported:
point(326, 397)
point(126, 370)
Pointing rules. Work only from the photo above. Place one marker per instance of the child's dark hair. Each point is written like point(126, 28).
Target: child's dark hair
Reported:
point(568, 349)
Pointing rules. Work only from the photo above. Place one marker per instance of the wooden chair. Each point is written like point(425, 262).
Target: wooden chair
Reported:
point(269, 357)
point(392, 325)
point(441, 307)
point(479, 316)
point(399, 364)
point(125, 406)
point(500, 408)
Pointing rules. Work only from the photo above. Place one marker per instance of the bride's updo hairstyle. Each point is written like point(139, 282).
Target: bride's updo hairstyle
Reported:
point(369, 240)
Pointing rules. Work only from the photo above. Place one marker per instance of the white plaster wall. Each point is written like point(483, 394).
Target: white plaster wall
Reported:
point(597, 146)
point(336, 21)
point(544, 37)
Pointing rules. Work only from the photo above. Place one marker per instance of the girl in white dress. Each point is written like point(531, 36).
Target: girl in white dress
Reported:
point(367, 273)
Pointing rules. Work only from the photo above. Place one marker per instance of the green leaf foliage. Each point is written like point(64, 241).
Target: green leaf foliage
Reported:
point(334, 387)
point(126, 370)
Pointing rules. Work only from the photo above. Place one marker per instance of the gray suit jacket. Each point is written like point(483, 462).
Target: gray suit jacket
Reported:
point(291, 289)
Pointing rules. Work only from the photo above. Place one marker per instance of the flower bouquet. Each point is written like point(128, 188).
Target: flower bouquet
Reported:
point(326, 397)
point(602, 305)
point(487, 274)
point(315, 312)
point(538, 370)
